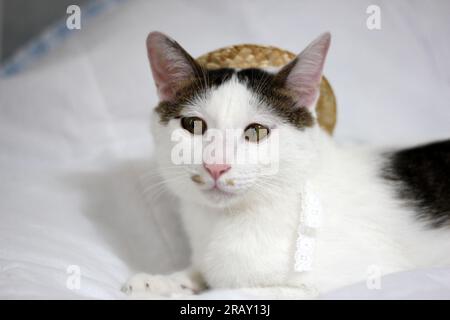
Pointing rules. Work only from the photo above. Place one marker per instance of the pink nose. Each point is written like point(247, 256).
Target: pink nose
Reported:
point(216, 170)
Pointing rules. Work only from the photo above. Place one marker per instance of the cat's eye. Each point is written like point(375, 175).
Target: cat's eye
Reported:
point(255, 132)
point(194, 125)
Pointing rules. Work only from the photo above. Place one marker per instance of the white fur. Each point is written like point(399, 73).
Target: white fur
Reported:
point(249, 241)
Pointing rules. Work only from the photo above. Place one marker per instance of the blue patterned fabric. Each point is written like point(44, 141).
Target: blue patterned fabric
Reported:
point(52, 37)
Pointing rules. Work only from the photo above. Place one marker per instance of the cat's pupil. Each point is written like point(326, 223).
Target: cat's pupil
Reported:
point(194, 125)
point(255, 132)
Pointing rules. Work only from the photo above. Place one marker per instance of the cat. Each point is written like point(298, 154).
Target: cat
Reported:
point(389, 209)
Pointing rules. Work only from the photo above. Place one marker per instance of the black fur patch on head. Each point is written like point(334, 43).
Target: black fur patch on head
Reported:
point(422, 178)
point(269, 87)
point(190, 90)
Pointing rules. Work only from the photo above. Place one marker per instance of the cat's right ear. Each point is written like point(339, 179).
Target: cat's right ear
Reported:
point(171, 65)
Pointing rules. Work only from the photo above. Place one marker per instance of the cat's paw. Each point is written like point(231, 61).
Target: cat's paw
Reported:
point(143, 285)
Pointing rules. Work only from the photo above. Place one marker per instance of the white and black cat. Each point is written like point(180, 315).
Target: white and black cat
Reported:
point(390, 210)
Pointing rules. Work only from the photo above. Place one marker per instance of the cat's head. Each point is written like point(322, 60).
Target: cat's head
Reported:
point(230, 135)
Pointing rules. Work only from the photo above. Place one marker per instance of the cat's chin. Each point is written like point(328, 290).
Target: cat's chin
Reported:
point(219, 198)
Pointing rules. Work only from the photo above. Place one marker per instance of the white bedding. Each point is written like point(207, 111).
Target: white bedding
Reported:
point(75, 147)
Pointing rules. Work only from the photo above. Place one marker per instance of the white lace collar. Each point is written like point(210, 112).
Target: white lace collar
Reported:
point(310, 220)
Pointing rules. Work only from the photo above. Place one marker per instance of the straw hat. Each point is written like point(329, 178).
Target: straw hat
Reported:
point(257, 56)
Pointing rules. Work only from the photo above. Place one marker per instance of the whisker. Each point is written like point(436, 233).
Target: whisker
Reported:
point(151, 187)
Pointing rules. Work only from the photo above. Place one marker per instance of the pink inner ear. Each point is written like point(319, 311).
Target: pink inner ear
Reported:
point(169, 63)
point(160, 77)
point(304, 78)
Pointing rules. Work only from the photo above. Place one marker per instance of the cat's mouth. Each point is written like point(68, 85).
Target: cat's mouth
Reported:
point(217, 191)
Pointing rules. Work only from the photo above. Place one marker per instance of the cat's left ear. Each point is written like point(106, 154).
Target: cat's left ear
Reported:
point(302, 76)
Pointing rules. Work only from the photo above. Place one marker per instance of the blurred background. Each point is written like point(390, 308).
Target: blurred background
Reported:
point(21, 20)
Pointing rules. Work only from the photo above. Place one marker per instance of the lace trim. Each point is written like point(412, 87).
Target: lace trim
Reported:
point(310, 220)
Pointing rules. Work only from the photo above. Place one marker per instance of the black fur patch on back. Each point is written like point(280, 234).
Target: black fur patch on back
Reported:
point(422, 178)
point(269, 87)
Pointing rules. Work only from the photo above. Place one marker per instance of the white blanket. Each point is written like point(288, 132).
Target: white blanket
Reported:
point(75, 149)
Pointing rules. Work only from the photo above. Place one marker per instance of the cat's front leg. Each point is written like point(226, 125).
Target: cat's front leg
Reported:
point(182, 283)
